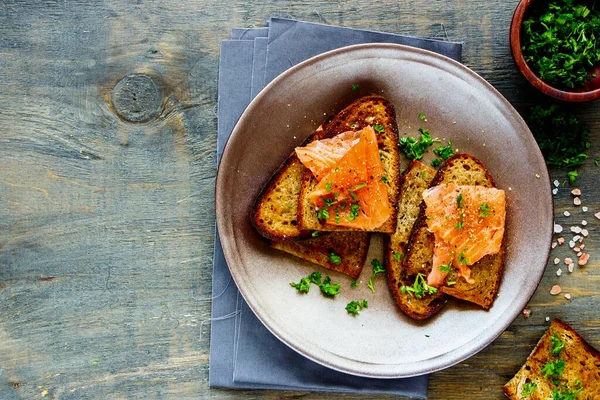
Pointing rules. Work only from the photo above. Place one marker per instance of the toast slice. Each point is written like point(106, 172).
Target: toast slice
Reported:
point(366, 111)
point(462, 169)
point(581, 368)
point(351, 247)
point(275, 211)
point(415, 180)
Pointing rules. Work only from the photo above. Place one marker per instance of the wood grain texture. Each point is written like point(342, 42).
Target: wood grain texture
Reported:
point(107, 227)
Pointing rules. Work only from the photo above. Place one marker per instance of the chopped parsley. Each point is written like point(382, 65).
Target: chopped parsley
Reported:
point(354, 208)
point(444, 151)
point(328, 186)
point(420, 288)
point(553, 368)
point(328, 201)
point(413, 148)
point(337, 217)
point(460, 201)
point(359, 186)
point(353, 283)
point(461, 223)
point(557, 344)
point(378, 268)
point(384, 179)
point(354, 306)
point(315, 234)
point(355, 86)
point(445, 267)
point(327, 288)
point(566, 395)
point(323, 214)
point(334, 258)
point(484, 210)
point(528, 389)
point(562, 137)
point(397, 256)
point(462, 259)
point(422, 117)
point(436, 163)
point(303, 286)
point(378, 128)
point(561, 41)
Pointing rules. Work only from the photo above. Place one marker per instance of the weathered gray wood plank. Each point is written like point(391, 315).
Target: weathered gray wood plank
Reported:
point(107, 227)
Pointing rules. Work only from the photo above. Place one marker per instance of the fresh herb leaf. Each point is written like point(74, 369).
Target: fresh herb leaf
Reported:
point(413, 148)
point(328, 201)
point(572, 176)
point(446, 267)
point(315, 278)
point(444, 151)
point(528, 389)
point(359, 186)
point(323, 214)
point(420, 288)
point(354, 306)
point(303, 286)
point(354, 208)
point(566, 394)
point(557, 344)
point(328, 288)
point(462, 259)
point(597, 161)
point(461, 223)
point(553, 368)
point(397, 256)
point(378, 268)
point(436, 163)
point(484, 210)
point(460, 201)
point(328, 186)
point(384, 179)
point(315, 234)
point(353, 283)
point(337, 216)
point(422, 117)
point(378, 128)
point(355, 86)
point(334, 258)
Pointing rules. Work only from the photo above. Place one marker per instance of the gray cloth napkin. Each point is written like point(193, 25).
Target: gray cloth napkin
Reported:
point(243, 353)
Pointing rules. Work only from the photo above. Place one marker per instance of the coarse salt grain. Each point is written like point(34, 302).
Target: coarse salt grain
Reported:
point(568, 260)
point(555, 290)
point(575, 229)
point(584, 209)
point(576, 238)
point(526, 312)
point(584, 232)
point(571, 244)
point(584, 222)
point(556, 260)
point(577, 201)
point(597, 215)
point(554, 191)
point(568, 296)
point(576, 192)
point(559, 272)
point(571, 267)
point(579, 253)
point(583, 259)
point(576, 248)
point(554, 244)
point(582, 246)
point(559, 229)
point(560, 240)
point(567, 214)
point(556, 183)
point(547, 319)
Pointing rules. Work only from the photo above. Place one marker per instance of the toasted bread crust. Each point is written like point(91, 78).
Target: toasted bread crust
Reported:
point(414, 181)
point(368, 110)
point(352, 247)
point(582, 363)
point(462, 169)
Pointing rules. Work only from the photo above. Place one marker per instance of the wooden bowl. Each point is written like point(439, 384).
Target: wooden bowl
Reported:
point(591, 90)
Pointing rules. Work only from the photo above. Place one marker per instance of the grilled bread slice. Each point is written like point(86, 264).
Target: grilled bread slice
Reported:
point(462, 169)
point(415, 180)
point(581, 371)
point(366, 111)
point(351, 247)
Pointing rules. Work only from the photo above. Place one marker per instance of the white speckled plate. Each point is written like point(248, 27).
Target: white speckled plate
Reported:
point(459, 105)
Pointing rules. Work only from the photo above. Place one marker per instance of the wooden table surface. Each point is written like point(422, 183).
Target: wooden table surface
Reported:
point(107, 226)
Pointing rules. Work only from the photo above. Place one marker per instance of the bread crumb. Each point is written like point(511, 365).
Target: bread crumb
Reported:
point(555, 290)
point(583, 259)
point(576, 249)
point(576, 192)
point(537, 176)
point(560, 240)
point(577, 201)
point(579, 254)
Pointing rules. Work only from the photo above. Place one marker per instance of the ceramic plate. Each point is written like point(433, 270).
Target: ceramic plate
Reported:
point(459, 105)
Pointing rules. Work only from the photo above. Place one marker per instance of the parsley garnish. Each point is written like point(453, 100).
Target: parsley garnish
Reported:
point(355, 86)
point(561, 41)
point(557, 344)
point(528, 389)
point(462, 259)
point(461, 223)
point(328, 201)
point(553, 368)
point(436, 163)
point(303, 286)
point(328, 186)
point(327, 288)
point(354, 283)
point(444, 151)
point(460, 201)
point(334, 258)
point(315, 234)
point(354, 208)
point(566, 395)
point(445, 267)
point(572, 176)
point(397, 256)
point(384, 179)
point(378, 128)
point(484, 210)
point(422, 117)
point(323, 214)
point(355, 306)
point(378, 268)
point(420, 288)
point(414, 149)
point(359, 186)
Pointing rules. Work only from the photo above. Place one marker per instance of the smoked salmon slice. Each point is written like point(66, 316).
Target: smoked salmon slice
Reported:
point(468, 224)
point(351, 191)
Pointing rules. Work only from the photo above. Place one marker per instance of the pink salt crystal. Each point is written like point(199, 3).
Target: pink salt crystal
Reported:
point(576, 192)
point(555, 290)
point(577, 201)
point(568, 260)
point(554, 244)
point(597, 215)
point(526, 312)
point(571, 267)
point(560, 240)
point(583, 259)
point(576, 249)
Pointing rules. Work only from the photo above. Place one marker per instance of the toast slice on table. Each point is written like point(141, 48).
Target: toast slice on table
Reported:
point(415, 180)
point(562, 366)
point(350, 247)
point(461, 169)
point(368, 111)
